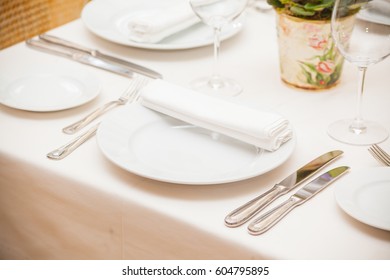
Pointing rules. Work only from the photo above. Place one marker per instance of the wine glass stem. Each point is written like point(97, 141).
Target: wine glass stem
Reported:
point(358, 125)
point(215, 80)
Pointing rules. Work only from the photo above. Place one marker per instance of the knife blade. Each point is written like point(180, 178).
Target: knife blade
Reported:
point(243, 213)
point(270, 218)
point(79, 57)
point(95, 53)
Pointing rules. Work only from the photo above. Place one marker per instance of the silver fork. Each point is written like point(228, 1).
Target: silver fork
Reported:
point(68, 148)
point(380, 154)
point(123, 99)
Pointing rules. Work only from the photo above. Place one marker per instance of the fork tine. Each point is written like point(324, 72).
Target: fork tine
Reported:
point(374, 154)
point(131, 87)
point(144, 81)
point(380, 154)
point(383, 152)
point(128, 95)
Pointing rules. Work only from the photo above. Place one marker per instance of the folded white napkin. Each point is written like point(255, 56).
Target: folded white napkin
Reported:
point(151, 26)
point(263, 129)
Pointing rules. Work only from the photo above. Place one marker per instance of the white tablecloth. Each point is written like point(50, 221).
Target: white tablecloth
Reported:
point(85, 207)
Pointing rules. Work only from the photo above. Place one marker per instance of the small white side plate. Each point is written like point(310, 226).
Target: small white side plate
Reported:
point(159, 147)
point(365, 195)
point(45, 92)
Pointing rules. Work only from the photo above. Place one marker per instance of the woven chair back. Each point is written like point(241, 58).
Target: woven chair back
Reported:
point(23, 19)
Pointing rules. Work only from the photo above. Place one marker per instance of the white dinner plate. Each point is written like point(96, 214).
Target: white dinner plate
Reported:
point(378, 13)
point(109, 20)
point(365, 195)
point(45, 92)
point(159, 147)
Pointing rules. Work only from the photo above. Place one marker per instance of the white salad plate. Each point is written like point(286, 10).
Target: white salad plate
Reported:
point(365, 195)
point(162, 148)
point(109, 20)
point(45, 92)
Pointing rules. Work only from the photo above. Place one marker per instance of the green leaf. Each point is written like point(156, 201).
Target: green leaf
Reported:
point(319, 7)
point(275, 3)
point(307, 74)
point(299, 11)
point(312, 67)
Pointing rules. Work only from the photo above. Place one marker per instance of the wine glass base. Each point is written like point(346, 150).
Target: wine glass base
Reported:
point(372, 134)
point(220, 85)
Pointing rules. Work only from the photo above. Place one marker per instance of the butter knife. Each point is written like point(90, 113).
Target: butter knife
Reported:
point(270, 218)
point(242, 214)
point(95, 53)
point(79, 57)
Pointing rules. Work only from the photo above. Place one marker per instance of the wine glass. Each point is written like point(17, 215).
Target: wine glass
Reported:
point(217, 14)
point(361, 31)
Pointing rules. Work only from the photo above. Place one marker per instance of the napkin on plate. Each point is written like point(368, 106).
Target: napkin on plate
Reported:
point(151, 26)
point(263, 129)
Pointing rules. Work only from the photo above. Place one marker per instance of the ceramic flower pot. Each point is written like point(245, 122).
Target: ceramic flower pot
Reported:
point(308, 57)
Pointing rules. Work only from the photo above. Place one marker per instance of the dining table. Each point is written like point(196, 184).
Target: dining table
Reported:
point(87, 207)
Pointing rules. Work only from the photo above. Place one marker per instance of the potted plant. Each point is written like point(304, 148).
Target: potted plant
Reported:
point(308, 56)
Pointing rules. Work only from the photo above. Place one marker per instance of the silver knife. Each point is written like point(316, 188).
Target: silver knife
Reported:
point(95, 53)
point(79, 57)
point(242, 214)
point(270, 218)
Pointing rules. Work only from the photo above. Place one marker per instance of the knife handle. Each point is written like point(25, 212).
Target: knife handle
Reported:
point(53, 40)
point(65, 43)
point(45, 47)
point(242, 214)
point(270, 218)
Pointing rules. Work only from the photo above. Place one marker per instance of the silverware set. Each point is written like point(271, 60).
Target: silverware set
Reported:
point(127, 95)
point(57, 46)
point(131, 94)
point(270, 218)
point(265, 221)
point(261, 224)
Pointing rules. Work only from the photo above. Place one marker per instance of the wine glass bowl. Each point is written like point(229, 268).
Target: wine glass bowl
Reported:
point(217, 14)
point(363, 43)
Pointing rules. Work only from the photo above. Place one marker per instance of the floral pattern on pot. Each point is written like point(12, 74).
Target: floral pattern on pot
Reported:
point(308, 56)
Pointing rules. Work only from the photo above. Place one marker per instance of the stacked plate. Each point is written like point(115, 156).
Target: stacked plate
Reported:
point(109, 20)
point(159, 147)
